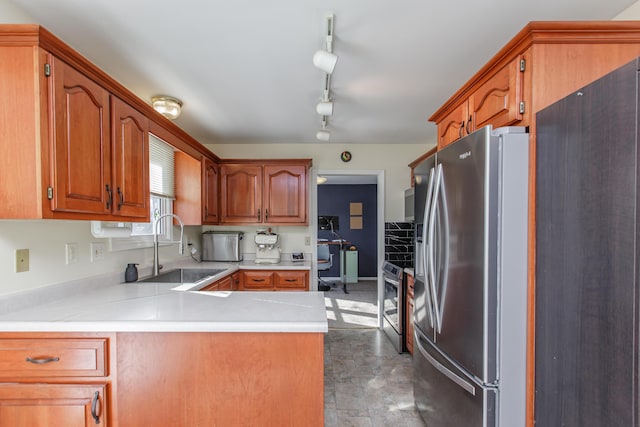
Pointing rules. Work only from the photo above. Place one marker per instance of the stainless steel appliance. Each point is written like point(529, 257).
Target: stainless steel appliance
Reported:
point(471, 281)
point(409, 205)
point(221, 245)
point(268, 251)
point(393, 305)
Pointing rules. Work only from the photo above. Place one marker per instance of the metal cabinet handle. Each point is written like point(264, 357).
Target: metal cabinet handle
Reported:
point(120, 198)
point(94, 407)
point(258, 280)
point(289, 280)
point(258, 214)
point(468, 127)
point(266, 214)
point(42, 360)
point(109, 198)
point(461, 130)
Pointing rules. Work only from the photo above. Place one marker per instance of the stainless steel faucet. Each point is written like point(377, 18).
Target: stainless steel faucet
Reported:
point(156, 262)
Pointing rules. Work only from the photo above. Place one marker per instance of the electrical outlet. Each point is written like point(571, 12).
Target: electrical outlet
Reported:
point(307, 240)
point(97, 252)
point(22, 260)
point(71, 250)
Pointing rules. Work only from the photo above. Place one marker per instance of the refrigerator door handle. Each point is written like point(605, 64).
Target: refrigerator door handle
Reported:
point(443, 276)
point(428, 248)
point(465, 385)
point(431, 258)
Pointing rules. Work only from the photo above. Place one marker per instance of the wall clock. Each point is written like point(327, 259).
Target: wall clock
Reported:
point(345, 156)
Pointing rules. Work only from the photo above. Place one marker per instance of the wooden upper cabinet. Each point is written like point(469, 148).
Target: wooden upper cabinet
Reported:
point(80, 144)
point(285, 194)
point(78, 139)
point(543, 63)
point(240, 194)
point(452, 127)
point(266, 192)
point(130, 133)
point(495, 102)
point(211, 183)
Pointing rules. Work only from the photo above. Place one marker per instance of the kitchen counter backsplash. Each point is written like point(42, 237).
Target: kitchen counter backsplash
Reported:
point(398, 243)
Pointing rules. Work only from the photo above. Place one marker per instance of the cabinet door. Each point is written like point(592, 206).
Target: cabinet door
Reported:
point(235, 281)
point(225, 284)
point(497, 101)
point(53, 405)
point(130, 133)
point(258, 280)
point(454, 126)
point(241, 194)
point(409, 324)
point(285, 194)
point(292, 280)
point(210, 175)
point(81, 150)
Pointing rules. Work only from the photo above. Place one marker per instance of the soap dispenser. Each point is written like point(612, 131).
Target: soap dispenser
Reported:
point(131, 273)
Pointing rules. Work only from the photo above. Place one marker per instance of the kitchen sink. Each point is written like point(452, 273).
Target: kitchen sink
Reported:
point(183, 275)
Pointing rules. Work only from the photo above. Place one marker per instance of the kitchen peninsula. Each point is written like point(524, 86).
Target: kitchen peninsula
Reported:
point(147, 354)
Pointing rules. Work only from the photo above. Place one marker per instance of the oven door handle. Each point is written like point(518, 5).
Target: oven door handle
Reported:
point(394, 282)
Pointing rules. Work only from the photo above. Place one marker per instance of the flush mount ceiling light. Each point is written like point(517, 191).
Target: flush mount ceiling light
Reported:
point(321, 179)
point(326, 59)
point(168, 106)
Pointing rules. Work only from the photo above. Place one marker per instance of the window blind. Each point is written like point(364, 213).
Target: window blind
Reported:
point(161, 168)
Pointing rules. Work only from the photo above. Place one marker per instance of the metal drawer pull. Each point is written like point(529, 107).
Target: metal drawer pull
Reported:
point(42, 361)
point(258, 280)
point(291, 280)
point(94, 407)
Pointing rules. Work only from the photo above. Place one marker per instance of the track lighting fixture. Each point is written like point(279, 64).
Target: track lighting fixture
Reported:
point(325, 106)
point(323, 134)
point(326, 59)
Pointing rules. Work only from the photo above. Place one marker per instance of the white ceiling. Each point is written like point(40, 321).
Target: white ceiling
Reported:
point(244, 72)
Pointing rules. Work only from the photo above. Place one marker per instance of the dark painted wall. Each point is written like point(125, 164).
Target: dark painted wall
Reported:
point(334, 200)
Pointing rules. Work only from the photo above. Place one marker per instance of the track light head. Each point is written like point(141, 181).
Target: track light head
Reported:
point(326, 61)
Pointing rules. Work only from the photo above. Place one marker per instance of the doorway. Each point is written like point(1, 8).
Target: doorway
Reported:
point(373, 279)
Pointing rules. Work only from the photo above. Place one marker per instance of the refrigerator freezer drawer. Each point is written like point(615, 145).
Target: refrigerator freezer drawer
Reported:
point(447, 397)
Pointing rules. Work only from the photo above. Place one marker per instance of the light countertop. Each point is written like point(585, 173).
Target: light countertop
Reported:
point(99, 304)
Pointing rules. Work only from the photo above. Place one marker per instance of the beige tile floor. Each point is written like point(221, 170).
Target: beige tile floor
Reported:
point(367, 383)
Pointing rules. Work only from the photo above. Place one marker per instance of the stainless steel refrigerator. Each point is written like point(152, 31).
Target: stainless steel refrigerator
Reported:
point(471, 281)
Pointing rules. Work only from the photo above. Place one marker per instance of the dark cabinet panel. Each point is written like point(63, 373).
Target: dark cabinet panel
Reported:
point(586, 256)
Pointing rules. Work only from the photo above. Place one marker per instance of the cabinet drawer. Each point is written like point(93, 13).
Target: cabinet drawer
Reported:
point(258, 280)
point(53, 357)
point(291, 280)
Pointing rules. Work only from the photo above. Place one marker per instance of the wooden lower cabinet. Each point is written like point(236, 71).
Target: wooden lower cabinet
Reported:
point(220, 379)
point(47, 405)
point(409, 314)
point(55, 379)
point(275, 280)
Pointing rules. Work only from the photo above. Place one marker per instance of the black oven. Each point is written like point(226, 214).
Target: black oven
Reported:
point(393, 305)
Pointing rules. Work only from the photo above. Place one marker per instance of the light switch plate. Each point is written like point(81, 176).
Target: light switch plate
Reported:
point(71, 250)
point(22, 260)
